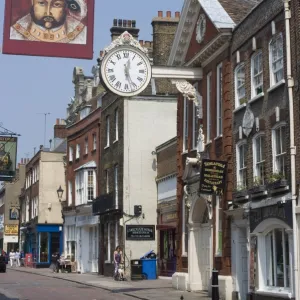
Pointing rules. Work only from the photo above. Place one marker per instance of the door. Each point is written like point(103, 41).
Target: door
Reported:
point(205, 257)
point(242, 267)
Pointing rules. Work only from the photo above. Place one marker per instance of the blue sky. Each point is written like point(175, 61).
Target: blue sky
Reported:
point(33, 85)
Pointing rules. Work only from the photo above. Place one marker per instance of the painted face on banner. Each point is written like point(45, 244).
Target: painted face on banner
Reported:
point(49, 13)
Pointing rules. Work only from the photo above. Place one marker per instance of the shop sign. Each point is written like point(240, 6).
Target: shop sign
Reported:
point(212, 177)
point(140, 232)
point(283, 213)
point(11, 229)
point(169, 217)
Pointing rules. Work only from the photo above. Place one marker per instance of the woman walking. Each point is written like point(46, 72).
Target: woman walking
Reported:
point(117, 259)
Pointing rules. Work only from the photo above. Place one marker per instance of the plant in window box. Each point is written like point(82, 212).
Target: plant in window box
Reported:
point(277, 180)
point(259, 90)
point(258, 185)
point(243, 101)
point(240, 191)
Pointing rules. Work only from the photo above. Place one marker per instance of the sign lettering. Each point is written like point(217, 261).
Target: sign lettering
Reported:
point(140, 232)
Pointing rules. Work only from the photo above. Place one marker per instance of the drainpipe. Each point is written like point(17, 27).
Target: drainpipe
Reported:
point(287, 15)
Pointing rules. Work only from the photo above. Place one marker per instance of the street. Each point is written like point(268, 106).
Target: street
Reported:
point(25, 285)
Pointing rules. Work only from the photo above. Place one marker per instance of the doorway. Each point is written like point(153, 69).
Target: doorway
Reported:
point(242, 262)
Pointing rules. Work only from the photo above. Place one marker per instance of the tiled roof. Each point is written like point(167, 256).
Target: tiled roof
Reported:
point(238, 9)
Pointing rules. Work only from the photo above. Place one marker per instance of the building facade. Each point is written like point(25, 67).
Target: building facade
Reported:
point(83, 136)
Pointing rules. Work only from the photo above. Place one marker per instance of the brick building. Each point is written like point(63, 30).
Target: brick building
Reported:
point(82, 131)
point(132, 128)
point(203, 40)
point(262, 213)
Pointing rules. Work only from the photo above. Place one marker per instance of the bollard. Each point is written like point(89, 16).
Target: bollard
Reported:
point(215, 285)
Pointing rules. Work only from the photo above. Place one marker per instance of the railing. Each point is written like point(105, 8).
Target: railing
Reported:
point(106, 204)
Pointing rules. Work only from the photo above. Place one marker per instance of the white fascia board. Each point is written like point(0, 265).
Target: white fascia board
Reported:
point(176, 72)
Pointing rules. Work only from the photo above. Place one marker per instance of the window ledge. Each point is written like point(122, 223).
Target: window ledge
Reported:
point(257, 97)
point(218, 137)
point(240, 107)
point(107, 262)
point(106, 147)
point(115, 141)
point(275, 86)
point(93, 151)
point(279, 293)
point(184, 152)
point(218, 255)
point(184, 255)
point(208, 143)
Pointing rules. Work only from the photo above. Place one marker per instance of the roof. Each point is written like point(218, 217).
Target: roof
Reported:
point(89, 165)
point(61, 148)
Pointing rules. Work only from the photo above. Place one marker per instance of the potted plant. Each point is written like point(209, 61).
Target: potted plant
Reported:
point(240, 191)
point(277, 180)
point(243, 101)
point(258, 185)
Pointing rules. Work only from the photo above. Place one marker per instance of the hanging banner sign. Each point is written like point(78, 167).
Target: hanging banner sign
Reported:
point(212, 177)
point(8, 157)
point(60, 28)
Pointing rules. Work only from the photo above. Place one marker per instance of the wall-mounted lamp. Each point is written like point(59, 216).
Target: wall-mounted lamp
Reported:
point(60, 192)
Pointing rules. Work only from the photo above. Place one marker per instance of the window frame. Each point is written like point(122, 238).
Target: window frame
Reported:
point(255, 163)
point(86, 146)
point(219, 99)
point(253, 86)
point(116, 124)
point(272, 72)
point(237, 98)
point(208, 105)
point(71, 153)
point(77, 151)
point(116, 183)
point(274, 142)
point(238, 168)
point(107, 132)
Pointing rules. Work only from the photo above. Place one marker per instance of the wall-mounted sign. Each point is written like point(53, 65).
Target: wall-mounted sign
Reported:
point(283, 213)
point(212, 177)
point(11, 229)
point(140, 232)
point(8, 157)
point(14, 213)
point(49, 28)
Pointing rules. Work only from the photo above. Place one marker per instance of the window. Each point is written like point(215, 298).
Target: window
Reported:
point(107, 181)
point(90, 243)
point(186, 125)
point(71, 153)
point(44, 246)
point(195, 126)
point(94, 141)
point(240, 85)
point(116, 234)
point(259, 159)
point(208, 101)
point(70, 193)
point(107, 131)
point(278, 262)
point(108, 244)
point(279, 150)
point(77, 151)
point(117, 124)
point(276, 59)
point(86, 146)
point(85, 112)
point(257, 74)
point(70, 239)
point(241, 166)
point(219, 100)
point(79, 181)
point(91, 185)
point(116, 186)
point(219, 220)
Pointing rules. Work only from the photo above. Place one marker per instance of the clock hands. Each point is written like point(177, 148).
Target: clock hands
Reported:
point(127, 75)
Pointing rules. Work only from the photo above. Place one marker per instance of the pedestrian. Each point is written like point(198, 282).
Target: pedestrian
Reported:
point(17, 258)
point(12, 256)
point(117, 259)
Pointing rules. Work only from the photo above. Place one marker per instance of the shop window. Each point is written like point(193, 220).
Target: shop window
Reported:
point(278, 262)
point(240, 91)
point(257, 74)
point(44, 243)
point(108, 245)
point(276, 59)
point(219, 220)
point(279, 150)
point(55, 242)
point(259, 159)
point(241, 165)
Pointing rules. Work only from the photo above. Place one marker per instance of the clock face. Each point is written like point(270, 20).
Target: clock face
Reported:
point(126, 71)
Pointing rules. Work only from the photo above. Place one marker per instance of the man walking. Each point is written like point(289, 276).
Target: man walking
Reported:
point(17, 258)
point(12, 256)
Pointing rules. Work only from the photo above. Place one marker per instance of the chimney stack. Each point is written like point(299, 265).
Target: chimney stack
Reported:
point(60, 130)
point(22, 161)
point(177, 14)
point(169, 14)
point(160, 14)
point(120, 26)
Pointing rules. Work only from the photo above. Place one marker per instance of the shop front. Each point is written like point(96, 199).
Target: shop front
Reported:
point(70, 244)
point(167, 218)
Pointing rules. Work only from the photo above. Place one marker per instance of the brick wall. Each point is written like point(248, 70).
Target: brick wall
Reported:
point(166, 161)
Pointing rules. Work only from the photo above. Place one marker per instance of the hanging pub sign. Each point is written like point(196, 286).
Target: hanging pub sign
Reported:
point(212, 177)
point(140, 232)
point(14, 213)
point(8, 157)
point(55, 28)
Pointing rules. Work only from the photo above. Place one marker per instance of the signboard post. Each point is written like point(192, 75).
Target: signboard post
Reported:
point(8, 157)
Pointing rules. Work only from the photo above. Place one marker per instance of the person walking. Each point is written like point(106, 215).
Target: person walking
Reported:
point(12, 256)
point(117, 259)
point(17, 258)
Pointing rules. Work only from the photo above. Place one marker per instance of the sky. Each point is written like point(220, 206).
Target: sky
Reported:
point(33, 86)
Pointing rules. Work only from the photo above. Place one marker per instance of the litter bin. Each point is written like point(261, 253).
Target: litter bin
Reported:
point(136, 269)
point(149, 265)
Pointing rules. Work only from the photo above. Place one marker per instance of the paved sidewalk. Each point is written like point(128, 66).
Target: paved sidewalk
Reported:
point(140, 289)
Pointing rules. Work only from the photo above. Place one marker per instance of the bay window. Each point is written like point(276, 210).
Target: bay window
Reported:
point(85, 186)
point(276, 59)
point(257, 74)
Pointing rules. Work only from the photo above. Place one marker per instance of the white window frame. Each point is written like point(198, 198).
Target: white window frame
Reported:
point(208, 105)
point(116, 172)
point(257, 136)
point(107, 132)
point(185, 124)
point(116, 124)
point(219, 124)
point(238, 97)
point(77, 151)
point(260, 73)
point(81, 185)
point(89, 172)
point(238, 167)
point(71, 153)
point(108, 244)
point(274, 41)
point(70, 192)
point(94, 141)
point(218, 225)
point(86, 145)
point(275, 167)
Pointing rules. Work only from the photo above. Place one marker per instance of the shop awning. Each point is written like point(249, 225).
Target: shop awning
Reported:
point(165, 227)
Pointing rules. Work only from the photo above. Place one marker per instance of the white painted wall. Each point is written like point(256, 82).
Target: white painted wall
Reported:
point(147, 124)
point(166, 189)
point(52, 175)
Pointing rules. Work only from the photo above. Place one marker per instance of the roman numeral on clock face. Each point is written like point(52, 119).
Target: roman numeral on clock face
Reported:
point(140, 63)
point(126, 54)
point(118, 56)
point(126, 87)
point(140, 79)
point(110, 70)
point(112, 78)
point(142, 71)
point(118, 85)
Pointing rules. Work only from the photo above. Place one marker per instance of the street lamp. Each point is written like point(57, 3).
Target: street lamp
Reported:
point(60, 192)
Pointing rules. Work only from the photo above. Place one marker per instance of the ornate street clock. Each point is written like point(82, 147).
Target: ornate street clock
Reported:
point(125, 67)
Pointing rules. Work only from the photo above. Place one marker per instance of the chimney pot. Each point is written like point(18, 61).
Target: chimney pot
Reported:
point(101, 53)
point(169, 14)
point(41, 147)
point(115, 22)
point(160, 14)
point(177, 14)
point(133, 22)
point(147, 44)
point(129, 24)
point(120, 22)
point(57, 121)
point(124, 23)
point(21, 160)
point(141, 43)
